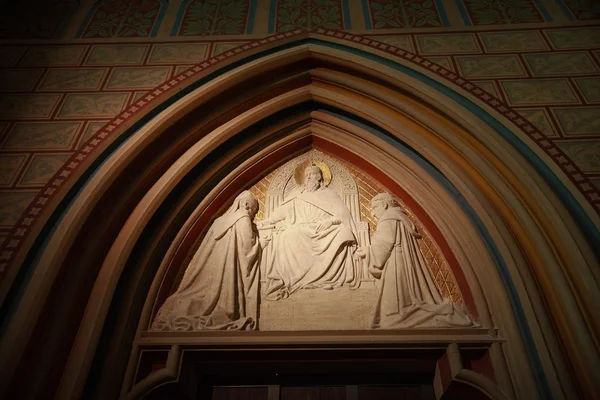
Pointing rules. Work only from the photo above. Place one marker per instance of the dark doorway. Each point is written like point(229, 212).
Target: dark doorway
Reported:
point(349, 392)
point(317, 375)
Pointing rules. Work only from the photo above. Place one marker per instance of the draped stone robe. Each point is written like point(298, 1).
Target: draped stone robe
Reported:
point(220, 287)
point(300, 257)
point(408, 297)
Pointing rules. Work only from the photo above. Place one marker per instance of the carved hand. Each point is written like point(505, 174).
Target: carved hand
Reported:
point(361, 252)
point(264, 241)
point(376, 272)
point(263, 224)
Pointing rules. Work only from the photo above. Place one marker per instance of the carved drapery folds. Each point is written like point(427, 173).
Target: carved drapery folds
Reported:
point(323, 256)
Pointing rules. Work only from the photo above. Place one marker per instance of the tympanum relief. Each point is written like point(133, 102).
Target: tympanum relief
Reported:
point(309, 262)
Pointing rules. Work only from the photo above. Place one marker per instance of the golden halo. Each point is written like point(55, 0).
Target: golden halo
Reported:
point(299, 171)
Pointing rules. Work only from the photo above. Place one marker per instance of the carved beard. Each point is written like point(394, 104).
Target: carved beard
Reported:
point(311, 185)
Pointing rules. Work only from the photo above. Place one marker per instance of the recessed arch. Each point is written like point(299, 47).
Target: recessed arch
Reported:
point(350, 92)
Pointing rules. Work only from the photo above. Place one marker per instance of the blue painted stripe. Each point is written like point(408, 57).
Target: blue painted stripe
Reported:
point(442, 11)
point(272, 11)
point(463, 13)
point(161, 13)
point(567, 199)
point(346, 11)
point(488, 241)
point(159, 17)
point(87, 20)
point(179, 17)
point(565, 10)
point(251, 16)
point(543, 10)
point(367, 14)
point(66, 21)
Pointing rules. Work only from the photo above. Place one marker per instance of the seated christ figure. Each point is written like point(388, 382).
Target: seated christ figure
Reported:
point(312, 243)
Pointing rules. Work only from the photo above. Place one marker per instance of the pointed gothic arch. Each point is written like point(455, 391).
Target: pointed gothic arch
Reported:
point(500, 216)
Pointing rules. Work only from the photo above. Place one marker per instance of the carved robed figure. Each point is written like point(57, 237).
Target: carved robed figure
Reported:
point(313, 238)
point(219, 289)
point(407, 297)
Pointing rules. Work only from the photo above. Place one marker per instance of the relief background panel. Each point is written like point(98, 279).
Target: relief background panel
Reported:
point(367, 188)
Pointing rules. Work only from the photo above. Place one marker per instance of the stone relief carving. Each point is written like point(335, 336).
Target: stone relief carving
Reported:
point(313, 238)
point(311, 263)
point(407, 296)
point(220, 287)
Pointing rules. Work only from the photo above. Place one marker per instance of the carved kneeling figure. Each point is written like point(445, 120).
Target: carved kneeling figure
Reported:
point(220, 287)
point(408, 297)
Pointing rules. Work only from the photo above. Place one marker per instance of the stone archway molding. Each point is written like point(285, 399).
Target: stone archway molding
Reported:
point(492, 186)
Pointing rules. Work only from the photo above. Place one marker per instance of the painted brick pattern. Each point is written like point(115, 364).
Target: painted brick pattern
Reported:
point(67, 93)
point(54, 98)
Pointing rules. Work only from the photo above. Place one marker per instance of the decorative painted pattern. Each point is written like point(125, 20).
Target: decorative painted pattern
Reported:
point(72, 79)
point(3, 128)
point(117, 54)
point(27, 106)
point(213, 17)
point(400, 41)
point(575, 38)
point(512, 41)
point(12, 205)
point(404, 14)
point(220, 47)
point(590, 88)
point(578, 121)
point(28, 218)
point(11, 55)
point(53, 56)
point(489, 66)
point(586, 154)
point(41, 136)
point(90, 130)
point(488, 12)
point(539, 91)
point(17, 21)
point(178, 53)
point(41, 168)
point(181, 68)
point(568, 63)
point(308, 14)
point(583, 10)
point(489, 86)
point(137, 77)
point(445, 62)
point(19, 80)
point(539, 117)
point(456, 43)
point(137, 95)
point(91, 105)
point(10, 165)
point(122, 18)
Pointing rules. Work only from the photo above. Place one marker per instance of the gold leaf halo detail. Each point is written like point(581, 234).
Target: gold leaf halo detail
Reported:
point(299, 171)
